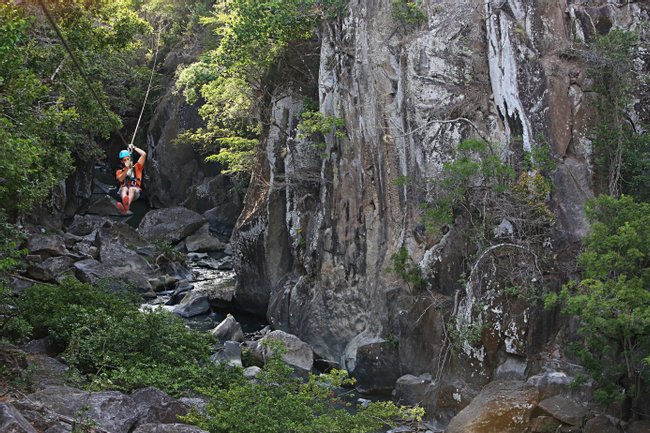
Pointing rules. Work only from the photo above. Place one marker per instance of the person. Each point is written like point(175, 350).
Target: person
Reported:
point(129, 177)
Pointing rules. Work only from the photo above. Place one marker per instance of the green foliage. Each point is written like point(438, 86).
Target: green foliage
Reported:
point(255, 32)
point(612, 300)
point(10, 240)
point(104, 336)
point(409, 271)
point(473, 168)
point(47, 113)
point(233, 81)
point(279, 402)
point(408, 12)
point(314, 126)
point(621, 154)
point(465, 333)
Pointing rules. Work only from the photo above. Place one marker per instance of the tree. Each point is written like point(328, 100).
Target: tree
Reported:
point(612, 301)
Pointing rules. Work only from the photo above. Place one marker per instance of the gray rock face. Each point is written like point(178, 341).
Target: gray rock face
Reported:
point(11, 421)
point(376, 367)
point(201, 241)
point(318, 230)
point(229, 354)
point(47, 246)
point(171, 224)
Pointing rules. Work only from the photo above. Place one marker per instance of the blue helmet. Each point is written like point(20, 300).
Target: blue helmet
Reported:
point(124, 154)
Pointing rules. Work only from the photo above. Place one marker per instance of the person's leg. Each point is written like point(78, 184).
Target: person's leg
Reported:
point(120, 204)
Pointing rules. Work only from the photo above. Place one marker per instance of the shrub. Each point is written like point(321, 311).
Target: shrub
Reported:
point(278, 402)
point(612, 301)
point(104, 336)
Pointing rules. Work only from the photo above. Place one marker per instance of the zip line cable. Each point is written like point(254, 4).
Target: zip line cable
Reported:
point(146, 95)
point(87, 81)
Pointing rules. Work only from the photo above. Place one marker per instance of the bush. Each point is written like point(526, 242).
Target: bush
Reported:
point(278, 402)
point(612, 301)
point(106, 338)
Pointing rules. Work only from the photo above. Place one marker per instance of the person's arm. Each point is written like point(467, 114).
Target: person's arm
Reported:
point(143, 155)
point(121, 174)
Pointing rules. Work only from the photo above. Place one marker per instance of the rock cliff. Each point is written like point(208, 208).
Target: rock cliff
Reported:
point(314, 243)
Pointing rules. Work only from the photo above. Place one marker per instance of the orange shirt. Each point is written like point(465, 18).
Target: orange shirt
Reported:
point(131, 181)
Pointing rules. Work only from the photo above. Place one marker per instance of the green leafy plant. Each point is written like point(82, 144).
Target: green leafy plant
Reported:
point(315, 126)
point(106, 339)
point(408, 12)
point(277, 401)
point(612, 301)
point(621, 152)
point(409, 271)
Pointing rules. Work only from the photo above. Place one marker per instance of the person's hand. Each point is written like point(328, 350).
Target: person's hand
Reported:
point(131, 148)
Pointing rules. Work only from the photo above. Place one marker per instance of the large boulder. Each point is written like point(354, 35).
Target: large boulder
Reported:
point(202, 241)
point(170, 224)
point(298, 353)
point(110, 410)
point(192, 304)
point(155, 406)
point(564, 409)
point(502, 406)
point(376, 367)
point(228, 330)
point(47, 245)
point(105, 205)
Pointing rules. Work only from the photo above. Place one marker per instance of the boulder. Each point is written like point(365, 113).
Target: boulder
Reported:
point(501, 406)
point(168, 428)
point(376, 367)
point(544, 424)
point(513, 368)
point(412, 390)
point(156, 406)
point(84, 225)
point(110, 410)
point(192, 304)
point(47, 245)
point(229, 354)
point(252, 372)
point(170, 224)
point(639, 427)
point(600, 424)
point(222, 219)
point(228, 330)
point(50, 268)
point(105, 205)
point(118, 264)
point(298, 353)
point(11, 421)
point(202, 241)
point(564, 409)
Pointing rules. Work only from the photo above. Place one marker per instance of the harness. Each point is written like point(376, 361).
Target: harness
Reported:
point(130, 180)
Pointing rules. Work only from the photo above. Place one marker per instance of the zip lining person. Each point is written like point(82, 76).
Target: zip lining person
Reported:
point(129, 177)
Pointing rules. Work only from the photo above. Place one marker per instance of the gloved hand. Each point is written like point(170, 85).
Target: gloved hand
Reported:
point(131, 148)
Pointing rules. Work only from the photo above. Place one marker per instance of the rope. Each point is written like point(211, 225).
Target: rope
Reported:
point(146, 95)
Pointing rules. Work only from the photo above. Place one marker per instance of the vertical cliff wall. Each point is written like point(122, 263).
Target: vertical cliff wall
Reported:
point(315, 241)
